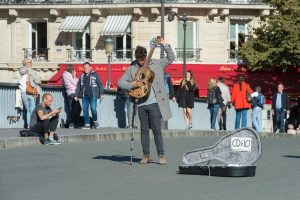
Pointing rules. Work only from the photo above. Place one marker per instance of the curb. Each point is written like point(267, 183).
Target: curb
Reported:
point(116, 136)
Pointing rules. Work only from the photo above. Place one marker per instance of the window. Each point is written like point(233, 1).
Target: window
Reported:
point(122, 47)
point(192, 53)
point(81, 43)
point(237, 34)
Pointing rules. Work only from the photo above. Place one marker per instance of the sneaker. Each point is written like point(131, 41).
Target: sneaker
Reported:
point(187, 127)
point(145, 160)
point(96, 125)
point(71, 125)
point(190, 125)
point(54, 142)
point(87, 126)
point(162, 159)
point(47, 141)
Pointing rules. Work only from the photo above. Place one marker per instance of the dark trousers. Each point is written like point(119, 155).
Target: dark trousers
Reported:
point(222, 121)
point(279, 120)
point(47, 125)
point(150, 116)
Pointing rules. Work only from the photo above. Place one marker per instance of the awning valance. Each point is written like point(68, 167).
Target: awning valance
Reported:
point(241, 17)
point(74, 24)
point(116, 25)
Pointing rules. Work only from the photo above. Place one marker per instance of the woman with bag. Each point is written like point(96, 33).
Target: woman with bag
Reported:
point(185, 97)
point(241, 100)
point(214, 99)
point(29, 92)
point(72, 107)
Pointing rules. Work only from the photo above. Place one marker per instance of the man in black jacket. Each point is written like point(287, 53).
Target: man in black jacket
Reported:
point(280, 108)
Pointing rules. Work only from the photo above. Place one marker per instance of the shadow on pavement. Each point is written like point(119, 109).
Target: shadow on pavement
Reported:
point(291, 156)
point(118, 158)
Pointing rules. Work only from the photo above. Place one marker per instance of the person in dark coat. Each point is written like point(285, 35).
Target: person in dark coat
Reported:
point(280, 108)
point(185, 97)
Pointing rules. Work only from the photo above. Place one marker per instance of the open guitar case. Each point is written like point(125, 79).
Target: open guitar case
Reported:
point(236, 153)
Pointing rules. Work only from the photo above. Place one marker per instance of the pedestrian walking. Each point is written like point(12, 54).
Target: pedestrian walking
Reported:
point(72, 107)
point(214, 99)
point(89, 88)
point(257, 106)
point(241, 90)
point(224, 105)
point(280, 108)
point(185, 97)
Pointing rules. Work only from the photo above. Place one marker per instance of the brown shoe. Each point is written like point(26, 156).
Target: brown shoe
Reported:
point(145, 160)
point(162, 160)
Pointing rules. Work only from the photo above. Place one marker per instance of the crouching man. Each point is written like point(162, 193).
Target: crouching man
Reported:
point(44, 120)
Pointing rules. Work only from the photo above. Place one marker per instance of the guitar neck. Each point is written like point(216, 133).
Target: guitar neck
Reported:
point(149, 56)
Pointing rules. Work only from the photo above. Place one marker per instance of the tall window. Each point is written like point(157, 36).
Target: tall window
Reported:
point(238, 32)
point(81, 43)
point(191, 41)
point(122, 46)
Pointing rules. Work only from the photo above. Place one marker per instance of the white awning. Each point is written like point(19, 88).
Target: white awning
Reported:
point(241, 17)
point(74, 24)
point(116, 25)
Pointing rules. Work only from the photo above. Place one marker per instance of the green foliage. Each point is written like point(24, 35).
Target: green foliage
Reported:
point(276, 44)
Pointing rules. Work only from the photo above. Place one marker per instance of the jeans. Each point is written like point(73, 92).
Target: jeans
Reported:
point(256, 118)
point(213, 115)
point(29, 103)
point(67, 103)
point(86, 102)
point(279, 118)
point(240, 113)
point(47, 125)
point(150, 116)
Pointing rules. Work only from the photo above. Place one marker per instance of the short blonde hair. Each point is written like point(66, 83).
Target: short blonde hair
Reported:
point(25, 61)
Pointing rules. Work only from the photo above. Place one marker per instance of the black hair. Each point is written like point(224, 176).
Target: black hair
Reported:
point(86, 63)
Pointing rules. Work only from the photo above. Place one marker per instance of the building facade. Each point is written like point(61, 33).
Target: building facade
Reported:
point(54, 32)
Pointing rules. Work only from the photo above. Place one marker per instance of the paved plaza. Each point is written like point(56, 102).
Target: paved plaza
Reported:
point(101, 170)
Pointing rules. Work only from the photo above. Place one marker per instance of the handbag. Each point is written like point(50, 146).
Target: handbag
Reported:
point(248, 96)
point(31, 90)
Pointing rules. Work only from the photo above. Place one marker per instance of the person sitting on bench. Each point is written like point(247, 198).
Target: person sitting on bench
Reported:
point(44, 120)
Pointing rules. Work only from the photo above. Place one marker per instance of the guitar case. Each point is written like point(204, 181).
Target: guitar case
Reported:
point(237, 153)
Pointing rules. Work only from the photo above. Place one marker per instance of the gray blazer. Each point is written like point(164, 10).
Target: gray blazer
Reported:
point(157, 66)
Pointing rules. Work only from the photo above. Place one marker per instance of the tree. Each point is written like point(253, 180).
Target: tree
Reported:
point(276, 44)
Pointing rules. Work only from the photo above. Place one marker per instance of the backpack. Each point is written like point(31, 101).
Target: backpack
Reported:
point(261, 100)
point(211, 97)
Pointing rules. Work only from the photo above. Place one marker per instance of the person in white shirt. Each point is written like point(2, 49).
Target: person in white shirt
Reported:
point(223, 107)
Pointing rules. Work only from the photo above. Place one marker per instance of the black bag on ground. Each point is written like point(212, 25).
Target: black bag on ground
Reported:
point(28, 133)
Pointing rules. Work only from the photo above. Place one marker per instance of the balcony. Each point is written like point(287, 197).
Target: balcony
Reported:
point(192, 54)
point(80, 55)
point(36, 55)
point(122, 55)
point(130, 1)
point(234, 57)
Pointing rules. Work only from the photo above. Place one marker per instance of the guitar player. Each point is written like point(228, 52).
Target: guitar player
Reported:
point(154, 106)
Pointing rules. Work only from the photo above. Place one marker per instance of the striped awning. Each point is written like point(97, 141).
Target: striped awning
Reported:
point(116, 25)
point(74, 24)
point(241, 17)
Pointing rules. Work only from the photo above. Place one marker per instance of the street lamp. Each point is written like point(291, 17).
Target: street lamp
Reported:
point(108, 50)
point(162, 25)
point(183, 18)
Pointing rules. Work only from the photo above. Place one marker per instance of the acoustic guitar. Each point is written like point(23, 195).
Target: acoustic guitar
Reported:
point(144, 75)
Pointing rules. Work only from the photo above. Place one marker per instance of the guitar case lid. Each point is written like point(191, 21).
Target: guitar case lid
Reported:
point(238, 152)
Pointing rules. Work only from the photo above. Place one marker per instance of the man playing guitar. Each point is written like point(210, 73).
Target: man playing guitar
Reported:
point(154, 106)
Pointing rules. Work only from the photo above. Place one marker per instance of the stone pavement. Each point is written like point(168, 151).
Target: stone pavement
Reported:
point(101, 171)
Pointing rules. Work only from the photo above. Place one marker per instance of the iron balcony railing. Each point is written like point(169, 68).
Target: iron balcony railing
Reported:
point(234, 57)
point(80, 55)
point(191, 54)
point(130, 1)
point(37, 55)
point(123, 55)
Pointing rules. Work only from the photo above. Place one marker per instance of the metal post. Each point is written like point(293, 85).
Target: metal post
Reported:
point(184, 47)
point(108, 81)
point(162, 25)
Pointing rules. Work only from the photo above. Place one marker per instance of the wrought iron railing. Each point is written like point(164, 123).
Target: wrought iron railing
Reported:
point(122, 55)
point(234, 57)
point(80, 55)
point(37, 55)
point(191, 54)
point(129, 1)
